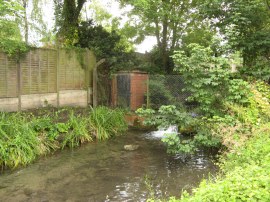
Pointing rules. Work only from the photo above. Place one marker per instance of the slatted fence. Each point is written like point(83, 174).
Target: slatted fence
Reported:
point(43, 72)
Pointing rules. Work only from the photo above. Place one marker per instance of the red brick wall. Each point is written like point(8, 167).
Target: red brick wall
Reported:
point(138, 90)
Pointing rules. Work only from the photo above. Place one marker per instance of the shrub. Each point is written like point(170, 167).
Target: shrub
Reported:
point(209, 80)
point(158, 92)
point(175, 145)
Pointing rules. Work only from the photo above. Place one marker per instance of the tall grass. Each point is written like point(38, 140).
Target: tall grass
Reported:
point(78, 131)
point(19, 143)
point(105, 122)
point(24, 137)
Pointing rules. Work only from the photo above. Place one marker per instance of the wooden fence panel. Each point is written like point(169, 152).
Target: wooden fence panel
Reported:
point(71, 73)
point(8, 76)
point(43, 71)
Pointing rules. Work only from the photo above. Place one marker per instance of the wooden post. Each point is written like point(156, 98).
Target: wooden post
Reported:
point(95, 102)
point(87, 82)
point(57, 75)
point(19, 85)
point(95, 81)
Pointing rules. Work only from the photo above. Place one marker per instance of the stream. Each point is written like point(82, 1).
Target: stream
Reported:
point(104, 171)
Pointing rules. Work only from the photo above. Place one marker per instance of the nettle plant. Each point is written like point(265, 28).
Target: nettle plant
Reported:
point(209, 79)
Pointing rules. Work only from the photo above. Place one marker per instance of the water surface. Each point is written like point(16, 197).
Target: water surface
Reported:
point(104, 171)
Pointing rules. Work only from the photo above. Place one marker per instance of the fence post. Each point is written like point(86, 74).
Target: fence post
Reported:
point(95, 81)
point(19, 84)
point(95, 86)
point(57, 76)
point(87, 76)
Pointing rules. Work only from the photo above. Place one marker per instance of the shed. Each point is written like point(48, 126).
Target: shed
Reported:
point(129, 89)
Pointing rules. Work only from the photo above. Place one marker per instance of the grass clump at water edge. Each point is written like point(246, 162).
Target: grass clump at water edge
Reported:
point(24, 137)
point(245, 174)
point(105, 122)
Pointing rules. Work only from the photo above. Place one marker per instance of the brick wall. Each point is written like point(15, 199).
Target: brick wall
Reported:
point(138, 89)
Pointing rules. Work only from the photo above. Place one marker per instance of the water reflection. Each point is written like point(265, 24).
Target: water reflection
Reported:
point(106, 172)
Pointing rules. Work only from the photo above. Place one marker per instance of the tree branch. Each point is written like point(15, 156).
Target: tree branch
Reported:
point(267, 4)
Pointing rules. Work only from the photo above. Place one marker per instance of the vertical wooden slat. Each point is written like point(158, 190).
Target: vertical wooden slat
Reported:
point(39, 76)
point(57, 75)
point(6, 72)
point(74, 68)
point(19, 76)
point(48, 72)
point(30, 73)
point(87, 76)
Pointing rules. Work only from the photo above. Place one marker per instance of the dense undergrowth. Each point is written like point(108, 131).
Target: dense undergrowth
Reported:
point(24, 135)
point(242, 133)
point(246, 173)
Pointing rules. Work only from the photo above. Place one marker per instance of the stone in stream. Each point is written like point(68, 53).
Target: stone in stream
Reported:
point(131, 147)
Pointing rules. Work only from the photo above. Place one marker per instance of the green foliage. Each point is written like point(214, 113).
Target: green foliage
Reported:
point(19, 143)
point(96, 38)
point(246, 27)
point(246, 174)
point(166, 116)
point(175, 145)
point(10, 34)
point(78, 131)
point(105, 44)
point(24, 136)
point(67, 14)
point(158, 93)
point(259, 70)
point(106, 123)
point(167, 21)
point(264, 89)
point(209, 80)
point(238, 92)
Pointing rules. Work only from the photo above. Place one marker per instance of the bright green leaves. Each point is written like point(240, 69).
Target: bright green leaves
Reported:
point(10, 34)
point(209, 79)
point(175, 145)
point(166, 116)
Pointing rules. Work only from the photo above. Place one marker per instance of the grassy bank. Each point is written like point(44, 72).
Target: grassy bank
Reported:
point(26, 135)
point(243, 131)
point(245, 174)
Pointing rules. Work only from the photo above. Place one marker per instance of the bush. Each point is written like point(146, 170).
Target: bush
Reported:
point(158, 92)
point(209, 80)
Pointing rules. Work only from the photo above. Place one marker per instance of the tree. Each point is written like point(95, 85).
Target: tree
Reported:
point(245, 24)
point(167, 20)
point(10, 34)
point(106, 45)
point(67, 13)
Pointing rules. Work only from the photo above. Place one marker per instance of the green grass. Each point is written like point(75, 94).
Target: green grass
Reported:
point(24, 136)
point(78, 131)
point(105, 122)
point(19, 143)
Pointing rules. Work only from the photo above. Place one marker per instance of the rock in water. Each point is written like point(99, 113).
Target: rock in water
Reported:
point(131, 147)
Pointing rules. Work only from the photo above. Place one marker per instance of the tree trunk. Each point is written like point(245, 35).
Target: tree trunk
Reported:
point(164, 53)
point(26, 26)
